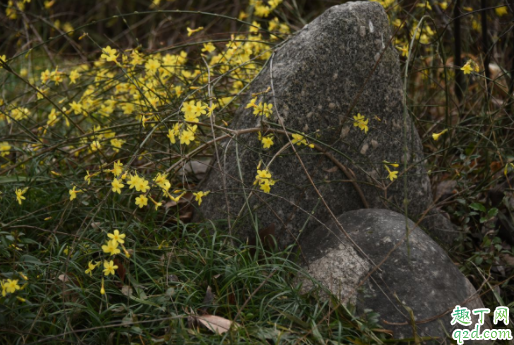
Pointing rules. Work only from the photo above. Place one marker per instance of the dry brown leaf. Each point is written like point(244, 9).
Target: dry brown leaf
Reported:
point(331, 170)
point(216, 324)
point(126, 290)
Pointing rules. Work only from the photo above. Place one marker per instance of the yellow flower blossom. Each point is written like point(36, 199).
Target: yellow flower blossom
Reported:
point(436, 136)
point(95, 146)
point(267, 142)
point(73, 193)
point(467, 68)
point(109, 267)
point(298, 139)
point(117, 144)
point(501, 11)
point(117, 169)
point(361, 122)
point(117, 185)
point(192, 31)
point(74, 75)
point(5, 148)
point(76, 107)
point(11, 285)
point(109, 54)
point(19, 194)
point(91, 267)
point(141, 201)
point(111, 247)
point(199, 196)
point(392, 174)
point(152, 66)
point(188, 136)
point(208, 47)
point(162, 181)
point(116, 236)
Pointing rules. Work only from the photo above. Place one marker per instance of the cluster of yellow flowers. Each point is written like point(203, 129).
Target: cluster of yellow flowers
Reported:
point(470, 66)
point(392, 174)
point(10, 286)
point(261, 108)
point(139, 184)
point(263, 178)
point(115, 239)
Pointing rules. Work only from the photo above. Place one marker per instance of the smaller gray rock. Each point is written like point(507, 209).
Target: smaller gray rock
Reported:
point(417, 274)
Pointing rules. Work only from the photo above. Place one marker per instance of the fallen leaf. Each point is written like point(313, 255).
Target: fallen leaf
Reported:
point(216, 324)
point(126, 290)
point(331, 170)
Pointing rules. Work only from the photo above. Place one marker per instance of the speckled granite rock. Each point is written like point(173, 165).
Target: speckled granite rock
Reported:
point(421, 275)
point(339, 65)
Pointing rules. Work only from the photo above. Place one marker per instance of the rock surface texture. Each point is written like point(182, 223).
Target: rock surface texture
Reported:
point(340, 65)
point(420, 274)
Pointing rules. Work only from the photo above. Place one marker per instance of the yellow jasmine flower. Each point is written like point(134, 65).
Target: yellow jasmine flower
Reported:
point(111, 247)
point(191, 117)
point(109, 54)
point(171, 136)
point(73, 193)
point(152, 66)
point(267, 142)
point(392, 174)
point(162, 181)
point(467, 68)
point(116, 236)
point(141, 185)
point(109, 267)
point(199, 196)
point(361, 122)
point(128, 108)
point(252, 103)
point(187, 137)
point(117, 185)
point(298, 139)
point(174, 198)
point(255, 27)
point(262, 175)
point(88, 176)
point(76, 107)
point(192, 31)
point(132, 182)
point(74, 75)
point(501, 11)
point(4, 148)
point(19, 194)
point(211, 109)
point(117, 144)
point(11, 285)
point(95, 145)
point(208, 47)
point(141, 201)
point(91, 267)
point(436, 136)
point(118, 168)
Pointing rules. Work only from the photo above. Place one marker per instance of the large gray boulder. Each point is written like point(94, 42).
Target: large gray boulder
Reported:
point(414, 272)
point(340, 65)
